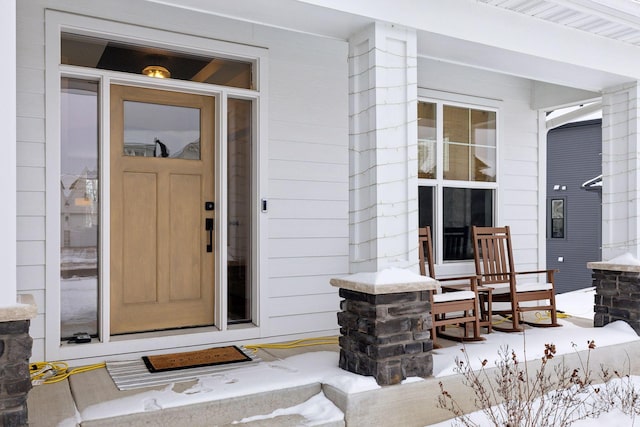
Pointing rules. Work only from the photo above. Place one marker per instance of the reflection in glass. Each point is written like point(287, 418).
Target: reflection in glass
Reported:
point(469, 144)
point(484, 167)
point(462, 209)
point(426, 140)
point(156, 130)
point(79, 207)
point(426, 207)
point(239, 189)
point(483, 127)
point(456, 124)
point(456, 162)
point(557, 218)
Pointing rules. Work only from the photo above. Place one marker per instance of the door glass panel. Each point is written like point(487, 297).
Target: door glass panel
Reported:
point(239, 204)
point(79, 207)
point(155, 130)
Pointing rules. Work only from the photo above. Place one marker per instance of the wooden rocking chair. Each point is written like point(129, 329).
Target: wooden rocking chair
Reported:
point(496, 270)
point(450, 306)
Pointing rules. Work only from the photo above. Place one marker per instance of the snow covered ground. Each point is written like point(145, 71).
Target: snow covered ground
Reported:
point(322, 367)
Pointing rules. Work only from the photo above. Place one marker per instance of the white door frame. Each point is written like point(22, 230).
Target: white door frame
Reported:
point(56, 22)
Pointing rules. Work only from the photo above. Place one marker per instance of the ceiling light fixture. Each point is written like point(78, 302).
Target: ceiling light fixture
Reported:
point(156, 71)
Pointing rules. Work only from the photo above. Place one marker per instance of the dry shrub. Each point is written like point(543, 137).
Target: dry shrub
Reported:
point(547, 397)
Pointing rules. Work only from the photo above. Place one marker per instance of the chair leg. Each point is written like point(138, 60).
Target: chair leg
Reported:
point(476, 325)
point(433, 332)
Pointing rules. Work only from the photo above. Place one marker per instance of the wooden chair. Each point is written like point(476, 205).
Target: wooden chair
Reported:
point(496, 269)
point(450, 305)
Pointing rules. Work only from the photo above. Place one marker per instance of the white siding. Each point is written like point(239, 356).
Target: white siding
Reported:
point(307, 168)
point(518, 167)
point(307, 165)
point(308, 183)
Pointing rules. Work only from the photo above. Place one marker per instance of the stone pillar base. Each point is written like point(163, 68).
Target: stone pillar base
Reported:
point(385, 333)
point(15, 351)
point(617, 294)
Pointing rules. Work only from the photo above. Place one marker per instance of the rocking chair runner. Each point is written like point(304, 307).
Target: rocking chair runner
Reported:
point(496, 270)
point(451, 306)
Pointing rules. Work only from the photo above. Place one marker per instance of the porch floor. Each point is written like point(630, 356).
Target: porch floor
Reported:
point(410, 404)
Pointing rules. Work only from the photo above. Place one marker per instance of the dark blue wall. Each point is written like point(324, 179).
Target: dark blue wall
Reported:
point(574, 155)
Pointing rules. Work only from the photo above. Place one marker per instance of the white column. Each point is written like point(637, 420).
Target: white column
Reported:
point(620, 172)
point(8, 157)
point(383, 184)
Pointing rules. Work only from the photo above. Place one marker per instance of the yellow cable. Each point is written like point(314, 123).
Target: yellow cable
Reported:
point(547, 315)
point(53, 372)
point(305, 342)
point(540, 316)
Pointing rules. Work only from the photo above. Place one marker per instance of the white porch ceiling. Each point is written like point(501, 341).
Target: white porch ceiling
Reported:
point(614, 19)
point(583, 44)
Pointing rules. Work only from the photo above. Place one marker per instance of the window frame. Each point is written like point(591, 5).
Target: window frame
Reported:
point(57, 23)
point(439, 183)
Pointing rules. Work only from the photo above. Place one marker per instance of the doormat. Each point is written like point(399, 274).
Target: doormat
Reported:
point(133, 374)
point(195, 359)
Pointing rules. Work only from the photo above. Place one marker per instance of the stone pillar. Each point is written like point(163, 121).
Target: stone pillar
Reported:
point(620, 172)
point(617, 293)
point(385, 325)
point(15, 351)
point(383, 153)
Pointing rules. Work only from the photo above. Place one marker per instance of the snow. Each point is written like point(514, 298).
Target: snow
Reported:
point(564, 339)
point(322, 367)
point(577, 303)
point(388, 276)
point(317, 410)
point(624, 259)
point(614, 417)
point(299, 370)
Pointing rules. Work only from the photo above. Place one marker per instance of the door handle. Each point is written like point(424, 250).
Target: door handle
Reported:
point(208, 226)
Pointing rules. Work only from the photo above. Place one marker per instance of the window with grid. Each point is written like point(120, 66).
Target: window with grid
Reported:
point(457, 180)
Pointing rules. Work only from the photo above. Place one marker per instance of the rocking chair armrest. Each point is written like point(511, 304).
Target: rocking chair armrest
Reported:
point(454, 288)
point(461, 278)
point(472, 283)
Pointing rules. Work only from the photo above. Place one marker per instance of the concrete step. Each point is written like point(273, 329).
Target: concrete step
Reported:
point(55, 404)
point(221, 412)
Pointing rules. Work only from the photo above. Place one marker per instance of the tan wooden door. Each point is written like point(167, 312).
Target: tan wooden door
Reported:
point(162, 169)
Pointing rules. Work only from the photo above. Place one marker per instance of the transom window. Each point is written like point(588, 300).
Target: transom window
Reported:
point(457, 161)
point(94, 52)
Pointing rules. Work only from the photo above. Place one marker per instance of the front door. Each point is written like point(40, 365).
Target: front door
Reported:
point(162, 192)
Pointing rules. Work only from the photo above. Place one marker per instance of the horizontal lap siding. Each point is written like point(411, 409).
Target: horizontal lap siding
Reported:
point(30, 162)
point(308, 183)
point(520, 168)
point(307, 165)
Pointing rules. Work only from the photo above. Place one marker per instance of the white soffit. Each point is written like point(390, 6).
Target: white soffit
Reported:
point(614, 19)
